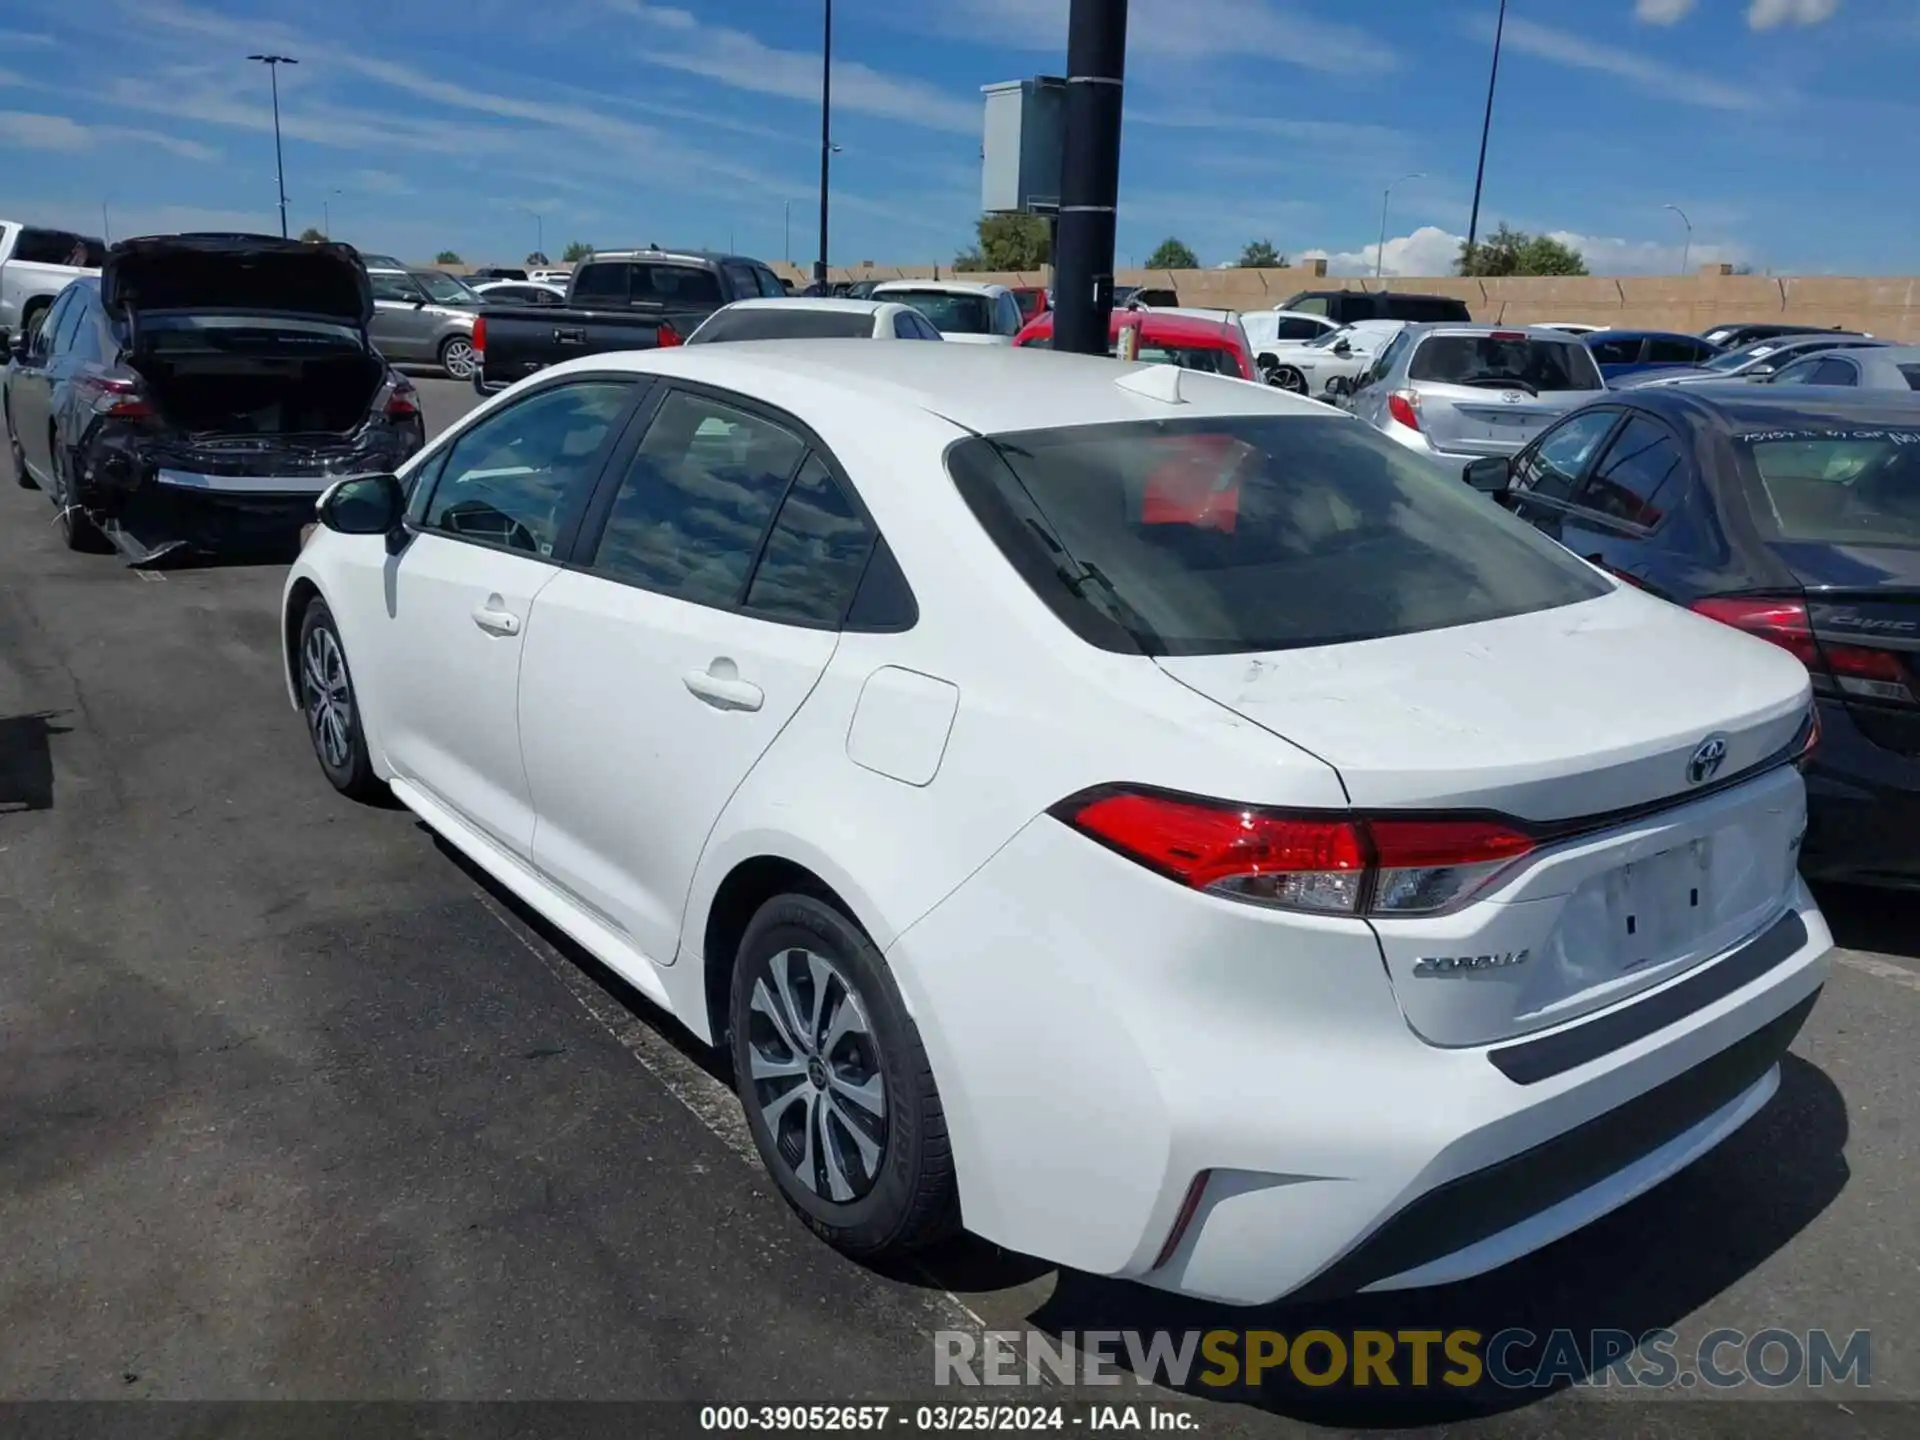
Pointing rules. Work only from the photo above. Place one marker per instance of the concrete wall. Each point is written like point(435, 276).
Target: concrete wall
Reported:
point(1884, 306)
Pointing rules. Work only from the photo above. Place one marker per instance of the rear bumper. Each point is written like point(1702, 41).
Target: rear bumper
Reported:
point(1162, 1036)
point(1863, 808)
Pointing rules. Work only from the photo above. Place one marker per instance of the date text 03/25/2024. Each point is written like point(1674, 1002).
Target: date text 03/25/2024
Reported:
point(979, 1418)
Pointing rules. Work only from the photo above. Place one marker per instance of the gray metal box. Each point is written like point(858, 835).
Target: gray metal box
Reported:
point(1023, 145)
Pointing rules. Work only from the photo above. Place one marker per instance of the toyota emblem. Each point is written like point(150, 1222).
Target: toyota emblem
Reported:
point(1707, 758)
point(1512, 397)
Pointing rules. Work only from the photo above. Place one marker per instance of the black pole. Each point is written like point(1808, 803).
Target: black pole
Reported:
point(279, 164)
point(826, 141)
point(1486, 125)
point(1090, 176)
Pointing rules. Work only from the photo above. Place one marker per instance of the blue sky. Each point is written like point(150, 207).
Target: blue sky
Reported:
point(1784, 128)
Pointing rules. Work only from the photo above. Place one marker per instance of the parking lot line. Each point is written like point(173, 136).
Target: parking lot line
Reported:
point(1874, 965)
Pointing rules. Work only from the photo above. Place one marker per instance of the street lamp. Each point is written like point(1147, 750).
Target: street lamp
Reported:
point(273, 64)
point(827, 147)
point(539, 228)
point(1486, 125)
point(326, 212)
point(1380, 255)
point(1686, 251)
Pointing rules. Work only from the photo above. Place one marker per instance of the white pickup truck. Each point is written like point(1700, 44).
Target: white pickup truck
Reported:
point(36, 264)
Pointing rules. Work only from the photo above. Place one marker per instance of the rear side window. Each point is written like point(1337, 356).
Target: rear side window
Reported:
point(37, 246)
point(1677, 351)
point(1615, 352)
point(1498, 360)
point(1912, 374)
point(785, 323)
point(1297, 328)
point(814, 554)
point(1634, 473)
point(1426, 309)
point(1248, 533)
point(1834, 372)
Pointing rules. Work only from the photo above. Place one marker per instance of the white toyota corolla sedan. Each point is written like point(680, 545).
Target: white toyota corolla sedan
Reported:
point(1149, 819)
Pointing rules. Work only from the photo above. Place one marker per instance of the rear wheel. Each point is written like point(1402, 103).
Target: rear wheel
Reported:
point(457, 358)
point(76, 529)
point(837, 1089)
point(332, 709)
point(1287, 377)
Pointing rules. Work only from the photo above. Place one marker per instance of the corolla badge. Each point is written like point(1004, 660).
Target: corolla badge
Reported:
point(1469, 964)
point(1707, 758)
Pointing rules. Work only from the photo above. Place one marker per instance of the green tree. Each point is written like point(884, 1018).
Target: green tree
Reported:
point(1008, 242)
point(1514, 252)
point(1260, 254)
point(1172, 255)
point(312, 235)
point(576, 251)
point(448, 257)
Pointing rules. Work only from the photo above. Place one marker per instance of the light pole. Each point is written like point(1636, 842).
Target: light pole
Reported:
point(326, 212)
point(826, 138)
point(106, 225)
point(1486, 125)
point(539, 228)
point(273, 64)
point(786, 210)
point(1089, 175)
point(1380, 255)
point(1686, 250)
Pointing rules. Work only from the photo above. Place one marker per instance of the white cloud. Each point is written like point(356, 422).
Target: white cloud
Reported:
point(58, 132)
point(1662, 12)
point(380, 182)
point(26, 39)
point(1431, 252)
point(1185, 30)
point(1652, 76)
point(1767, 14)
point(737, 59)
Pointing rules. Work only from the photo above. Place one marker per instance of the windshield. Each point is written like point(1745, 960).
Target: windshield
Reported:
point(1257, 532)
point(1498, 360)
point(1744, 356)
point(784, 323)
point(1846, 487)
point(444, 289)
point(950, 314)
point(1332, 338)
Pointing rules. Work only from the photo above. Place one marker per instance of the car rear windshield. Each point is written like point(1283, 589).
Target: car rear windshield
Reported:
point(59, 247)
point(783, 323)
point(1211, 359)
point(1842, 486)
point(1245, 533)
point(950, 314)
point(1495, 360)
point(623, 282)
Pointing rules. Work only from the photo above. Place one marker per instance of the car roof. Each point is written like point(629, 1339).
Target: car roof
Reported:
point(813, 302)
point(944, 287)
point(1610, 334)
point(987, 389)
point(1423, 329)
point(1895, 354)
point(1735, 408)
point(649, 252)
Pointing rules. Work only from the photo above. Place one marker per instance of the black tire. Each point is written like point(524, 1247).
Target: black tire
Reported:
point(908, 1200)
point(33, 315)
point(342, 752)
point(19, 458)
point(1288, 378)
point(79, 532)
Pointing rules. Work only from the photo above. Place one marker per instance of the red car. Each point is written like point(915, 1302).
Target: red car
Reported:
point(1033, 300)
point(1183, 340)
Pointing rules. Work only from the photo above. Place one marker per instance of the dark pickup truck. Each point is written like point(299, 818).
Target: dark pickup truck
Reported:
point(618, 300)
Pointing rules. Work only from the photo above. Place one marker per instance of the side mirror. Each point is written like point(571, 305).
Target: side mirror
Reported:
point(363, 505)
point(1490, 476)
point(1339, 385)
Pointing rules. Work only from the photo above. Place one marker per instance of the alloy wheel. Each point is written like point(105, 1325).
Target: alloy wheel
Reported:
point(329, 698)
point(457, 359)
point(1288, 378)
point(814, 1063)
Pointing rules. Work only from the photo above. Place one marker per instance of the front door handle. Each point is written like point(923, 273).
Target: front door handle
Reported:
point(720, 686)
point(491, 618)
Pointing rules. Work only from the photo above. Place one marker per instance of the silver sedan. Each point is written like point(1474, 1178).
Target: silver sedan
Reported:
point(1890, 367)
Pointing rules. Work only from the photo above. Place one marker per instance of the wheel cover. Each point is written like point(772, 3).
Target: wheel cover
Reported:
point(328, 697)
point(1288, 378)
point(457, 358)
point(814, 1064)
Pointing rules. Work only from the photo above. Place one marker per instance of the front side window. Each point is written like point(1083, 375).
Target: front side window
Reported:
point(814, 554)
point(1677, 350)
point(1308, 304)
point(693, 507)
point(1632, 476)
point(1247, 533)
point(515, 476)
point(1798, 373)
point(1554, 466)
point(397, 288)
point(70, 323)
point(1501, 360)
point(1297, 327)
point(445, 289)
point(1734, 361)
point(53, 322)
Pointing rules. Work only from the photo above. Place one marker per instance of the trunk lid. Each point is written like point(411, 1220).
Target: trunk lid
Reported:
point(1567, 715)
point(1478, 420)
point(246, 274)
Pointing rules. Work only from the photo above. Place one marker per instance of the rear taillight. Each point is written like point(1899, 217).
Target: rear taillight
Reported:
point(667, 336)
point(115, 399)
point(480, 338)
point(1327, 864)
point(1404, 406)
point(402, 399)
point(1837, 668)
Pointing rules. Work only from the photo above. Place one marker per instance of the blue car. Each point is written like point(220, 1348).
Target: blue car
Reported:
point(1626, 352)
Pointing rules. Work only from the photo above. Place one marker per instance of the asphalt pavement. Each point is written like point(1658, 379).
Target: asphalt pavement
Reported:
point(295, 1105)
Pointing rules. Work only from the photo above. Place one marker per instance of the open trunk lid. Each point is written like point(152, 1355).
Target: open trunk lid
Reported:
point(248, 274)
point(1649, 854)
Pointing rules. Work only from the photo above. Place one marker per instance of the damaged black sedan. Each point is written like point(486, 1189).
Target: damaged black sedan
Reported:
point(202, 393)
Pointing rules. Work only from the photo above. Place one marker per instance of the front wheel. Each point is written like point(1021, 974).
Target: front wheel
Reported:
point(457, 358)
point(1289, 378)
point(837, 1088)
point(332, 710)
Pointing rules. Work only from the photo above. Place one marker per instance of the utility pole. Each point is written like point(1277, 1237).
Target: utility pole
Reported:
point(1486, 125)
point(826, 140)
point(1090, 175)
point(1380, 255)
point(273, 64)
